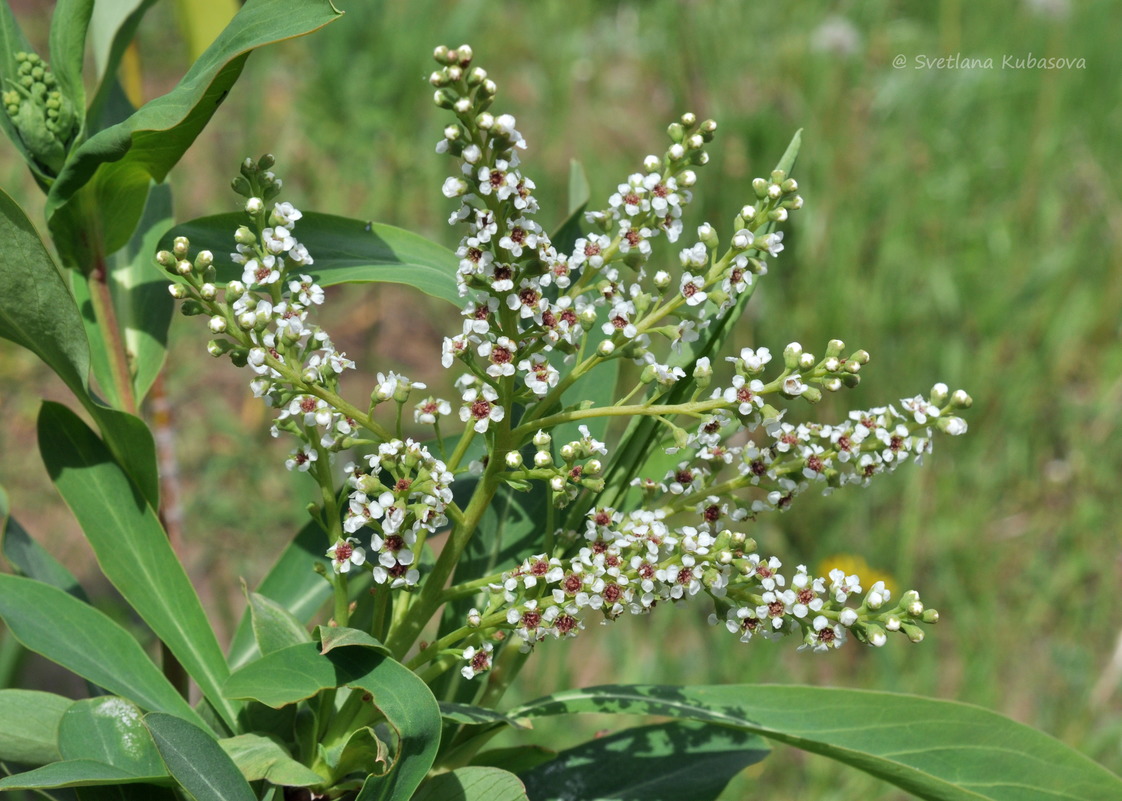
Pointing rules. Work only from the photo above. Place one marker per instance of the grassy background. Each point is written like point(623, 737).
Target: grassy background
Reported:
point(962, 225)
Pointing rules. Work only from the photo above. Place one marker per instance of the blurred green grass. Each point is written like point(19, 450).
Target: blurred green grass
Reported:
point(962, 225)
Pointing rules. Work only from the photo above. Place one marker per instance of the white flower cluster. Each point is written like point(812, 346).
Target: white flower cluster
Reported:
point(527, 299)
point(404, 493)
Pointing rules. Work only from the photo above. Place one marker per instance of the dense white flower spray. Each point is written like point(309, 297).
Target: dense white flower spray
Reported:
point(619, 536)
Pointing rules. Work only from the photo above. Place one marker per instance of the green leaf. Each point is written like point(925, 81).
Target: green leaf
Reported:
point(292, 583)
point(109, 730)
point(260, 757)
point(196, 760)
point(472, 784)
point(345, 252)
point(69, 23)
point(274, 627)
point(475, 715)
point(30, 559)
point(937, 750)
point(330, 637)
point(38, 312)
point(85, 641)
point(36, 309)
point(73, 773)
point(29, 726)
point(663, 762)
point(115, 165)
point(300, 671)
point(518, 759)
point(131, 547)
point(144, 306)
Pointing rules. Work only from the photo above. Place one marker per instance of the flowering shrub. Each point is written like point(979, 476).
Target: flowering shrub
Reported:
point(611, 453)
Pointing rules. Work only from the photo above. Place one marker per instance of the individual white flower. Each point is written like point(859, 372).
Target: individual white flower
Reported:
point(431, 409)
point(261, 272)
point(345, 553)
point(301, 459)
point(480, 406)
point(285, 214)
point(692, 289)
point(478, 660)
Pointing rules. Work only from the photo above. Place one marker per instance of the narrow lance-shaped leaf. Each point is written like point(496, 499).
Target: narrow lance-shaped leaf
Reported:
point(938, 750)
point(345, 252)
point(87, 642)
point(131, 547)
point(147, 145)
point(196, 760)
point(69, 23)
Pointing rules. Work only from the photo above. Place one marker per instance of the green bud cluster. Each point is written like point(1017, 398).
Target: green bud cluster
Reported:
point(44, 117)
point(257, 181)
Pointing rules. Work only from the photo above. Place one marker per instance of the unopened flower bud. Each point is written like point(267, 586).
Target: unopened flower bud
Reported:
point(831, 364)
point(913, 632)
point(791, 355)
point(606, 348)
point(568, 452)
point(651, 163)
point(244, 236)
point(543, 459)
point(557, 484)
point(462, 106)
point(254, 206)
point(759, 186)
point(832, 384)
point(184, 267)
point(166, 259)
point(876, 636)
point(847, 617)
point(707, 235)
point(513, 459)
point(892, 623)
point(190, 308)
point(960, 400)
point(542, 439)
point(247, 321)
point(687, 178)
point(474, 618)
point(661, 279)
point(444, 97)
point(676, 152)
point(177, 291)
point(234, 290)
point(208, 291)
point(593, 467)
point(742, 239)
point(180, 246)
point(217, 324)
point(806, 361)
point(204, 259)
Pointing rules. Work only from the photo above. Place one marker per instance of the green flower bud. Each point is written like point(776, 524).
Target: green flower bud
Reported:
point(960, 400)
point(791, 355)
point(178, 291)
point(759, 186)
point(513, 460)
point(180, 246)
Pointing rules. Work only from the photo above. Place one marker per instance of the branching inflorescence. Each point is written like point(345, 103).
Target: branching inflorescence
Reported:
point(536, 322)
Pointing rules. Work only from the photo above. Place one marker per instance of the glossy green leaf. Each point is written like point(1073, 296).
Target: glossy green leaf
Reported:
point(73, 773)
point(87, 642)
point(274, 627)
point(472, 784)
point(937, 750)
point(345, 252)
point(38, 312)
point(131, 547)
point(109, 730)
point(292, 583)
point(196, 760)
point(260, 757)
point(663, 762)
point(29, 726)
point(69, 23)
point(127, 792)
point(300, 671)
point(115, 165)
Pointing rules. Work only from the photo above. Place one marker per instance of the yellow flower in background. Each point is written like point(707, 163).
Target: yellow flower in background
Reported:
point(852, 564)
